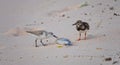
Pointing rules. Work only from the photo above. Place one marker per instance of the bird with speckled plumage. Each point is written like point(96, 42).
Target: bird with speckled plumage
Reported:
point(81, 27)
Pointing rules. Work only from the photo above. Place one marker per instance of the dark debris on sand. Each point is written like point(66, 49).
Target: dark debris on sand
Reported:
point(108, 59)
point(111, 8)
point(42, 23)
point(63, 15)
point(116, 14)
point(115, 0)
point(115, 62)
point(99, 3)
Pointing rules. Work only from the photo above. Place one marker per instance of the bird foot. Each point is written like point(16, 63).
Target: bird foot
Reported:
point(85, 38)
point(36, 46)
point(78, 39)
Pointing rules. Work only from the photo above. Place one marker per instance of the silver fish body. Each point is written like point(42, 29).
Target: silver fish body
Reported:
point(63, 41)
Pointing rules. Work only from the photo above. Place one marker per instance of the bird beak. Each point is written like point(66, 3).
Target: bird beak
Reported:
point(74, 24)
point(55, 36)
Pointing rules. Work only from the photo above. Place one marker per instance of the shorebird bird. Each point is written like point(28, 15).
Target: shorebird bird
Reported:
point(82, 27)
point(41, 34)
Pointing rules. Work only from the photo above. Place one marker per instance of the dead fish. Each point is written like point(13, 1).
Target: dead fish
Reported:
point(63, 41)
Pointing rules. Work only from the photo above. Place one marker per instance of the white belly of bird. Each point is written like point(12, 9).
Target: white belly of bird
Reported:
point(42, 37)
point(81, 31)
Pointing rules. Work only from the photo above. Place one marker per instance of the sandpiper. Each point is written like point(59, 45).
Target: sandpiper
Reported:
point(41, 34)
point(82, 27)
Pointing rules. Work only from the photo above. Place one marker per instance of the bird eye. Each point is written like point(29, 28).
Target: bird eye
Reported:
point(52, 33)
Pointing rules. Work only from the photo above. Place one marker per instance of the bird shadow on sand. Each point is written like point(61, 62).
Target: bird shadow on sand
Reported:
point(90, 36)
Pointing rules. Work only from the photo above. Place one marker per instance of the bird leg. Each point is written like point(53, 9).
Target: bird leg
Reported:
point(85, 36)
point(42, 43)
point(79, 37)
point(36, 42)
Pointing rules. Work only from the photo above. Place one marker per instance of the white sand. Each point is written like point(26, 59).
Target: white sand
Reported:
point(103, 38)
